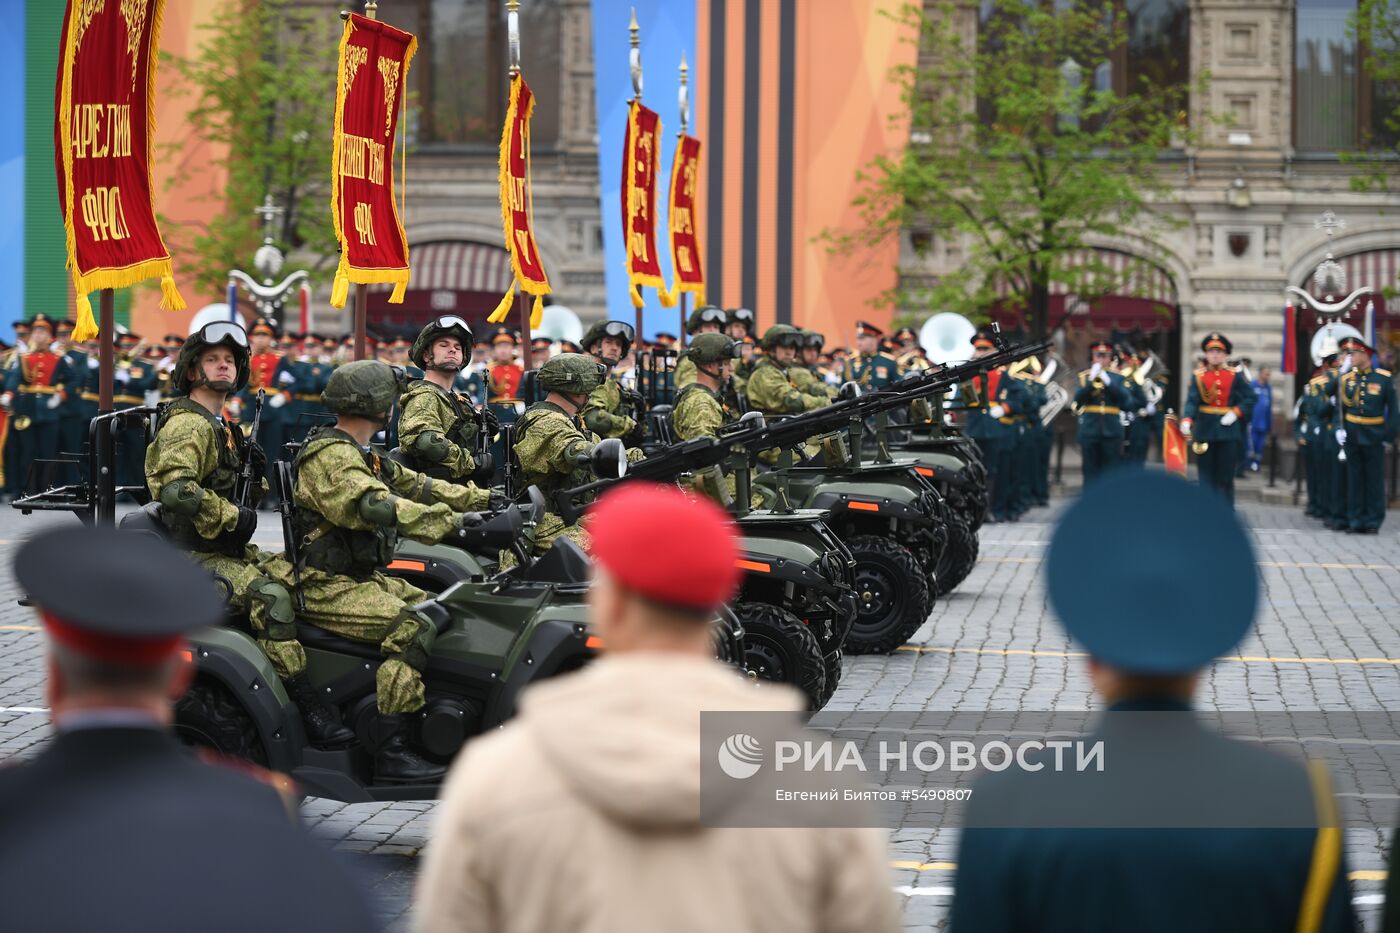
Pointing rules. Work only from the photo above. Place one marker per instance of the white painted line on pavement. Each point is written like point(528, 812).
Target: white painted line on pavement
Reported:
point(24, 709)
point(940, 891)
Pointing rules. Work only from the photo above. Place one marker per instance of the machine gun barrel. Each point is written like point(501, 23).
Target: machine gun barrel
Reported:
point(758, 435)
point(244, 490)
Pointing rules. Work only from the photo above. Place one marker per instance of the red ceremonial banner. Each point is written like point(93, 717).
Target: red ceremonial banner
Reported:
point(641, 154)
point(685, 237)
point(518, 206)
point(370, 93)
point(1173, 446)
point(104, 146)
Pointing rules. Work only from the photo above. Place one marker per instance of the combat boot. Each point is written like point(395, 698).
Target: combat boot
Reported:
point(324, 728)
point(395, 762)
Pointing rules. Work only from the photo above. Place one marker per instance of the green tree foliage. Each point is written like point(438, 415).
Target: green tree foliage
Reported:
point(261, 83)
point(1017, 151)
point(1376, 25)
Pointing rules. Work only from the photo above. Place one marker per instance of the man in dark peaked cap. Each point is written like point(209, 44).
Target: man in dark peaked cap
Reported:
point(1181, 828)
point(114, 825)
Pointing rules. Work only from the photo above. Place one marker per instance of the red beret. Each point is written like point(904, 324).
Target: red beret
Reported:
point(667, 546)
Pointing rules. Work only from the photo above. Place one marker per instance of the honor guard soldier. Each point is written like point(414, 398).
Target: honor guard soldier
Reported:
point(36, 387)
point(351, 504)
point(1027, 459)
point(75, 414)
point(267, 371)
point(503, 378)
point(312, 371)
point(89, 385)
point(1336, 518)
point(191, 469)
point(1370, 419)
point(991, 423)
point(1312, 417)
point(1100, 400)
point(553, 444)
point(611, 410)
point(1182, 819)
point(148, 835)
point(437, 424)
point(910, 356)
point(1219, 403)
point(706, 319)
point(868, 366)
point(540, 350)
point(1142, 413)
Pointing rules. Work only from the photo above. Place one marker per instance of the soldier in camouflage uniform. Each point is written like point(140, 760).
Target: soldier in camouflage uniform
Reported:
point(606, 411)
point(701, 410)
point(803, 373)
point(706, 319)
point(771, 388)
point(438, 425)
point(553, 445)
point(191, 469)
point(351, 504)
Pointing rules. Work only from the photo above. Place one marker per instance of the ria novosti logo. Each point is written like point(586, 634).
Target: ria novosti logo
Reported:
point(740, 756)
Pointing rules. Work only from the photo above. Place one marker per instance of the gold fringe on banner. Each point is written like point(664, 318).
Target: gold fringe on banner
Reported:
point(85, 328)
point(345, 274)
point(527, 285)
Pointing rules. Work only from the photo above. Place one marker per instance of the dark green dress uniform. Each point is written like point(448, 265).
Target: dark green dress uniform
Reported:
point(1140, 426)
point(1211, 395)
point(1026, 451)
point(1314, 410)
point(1183, 829)
point(996, 436)
point(37, 384)
point(1100, 401)
point(1370, 419)
point(137, 378)
point(76, 412)
point(871, 371)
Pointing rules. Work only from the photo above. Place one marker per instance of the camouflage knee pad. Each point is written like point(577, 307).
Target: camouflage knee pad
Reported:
point(277, 619)
point(410, 639)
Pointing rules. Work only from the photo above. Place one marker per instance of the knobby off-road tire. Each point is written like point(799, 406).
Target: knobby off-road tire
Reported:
point(892, 594)
point(208, 716)
point(780, 648)
point(958, 558)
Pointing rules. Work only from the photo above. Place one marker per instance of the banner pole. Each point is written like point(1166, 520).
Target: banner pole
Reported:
point(361, 312)
point(107, 351)
point(527, 353)
point(683, 103)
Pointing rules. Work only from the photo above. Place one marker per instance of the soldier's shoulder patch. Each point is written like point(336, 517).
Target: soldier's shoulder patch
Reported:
point(1200, 370)
point(137, 371)
point(1383, 372)
point(1373, 388)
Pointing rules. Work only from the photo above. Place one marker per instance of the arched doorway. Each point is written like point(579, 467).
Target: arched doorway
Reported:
point(1378, 268)
point(1144, 312)
point(449, 277)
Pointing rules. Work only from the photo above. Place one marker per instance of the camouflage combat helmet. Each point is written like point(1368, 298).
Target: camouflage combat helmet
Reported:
point(573, 373)
point(784, 335)
point(813, 340)
point(705, 314)
point(366, 388)
point(449, 325)
point(712, 348)
point(619, 329)
point(217, 334)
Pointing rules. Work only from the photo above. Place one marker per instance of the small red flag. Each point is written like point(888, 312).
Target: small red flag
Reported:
point(1173, 446)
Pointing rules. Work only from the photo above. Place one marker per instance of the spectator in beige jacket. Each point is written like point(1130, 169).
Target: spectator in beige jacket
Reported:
point(583, 815)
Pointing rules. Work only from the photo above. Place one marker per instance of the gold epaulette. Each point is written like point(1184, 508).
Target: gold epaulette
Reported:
point(1318, 379)
point(1383, 372)
point(1200, 370)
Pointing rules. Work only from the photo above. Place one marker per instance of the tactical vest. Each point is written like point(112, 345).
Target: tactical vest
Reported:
point(220, 481)
point(697, 387)
point(327, 547)
point(456, 433)
point(551, 482)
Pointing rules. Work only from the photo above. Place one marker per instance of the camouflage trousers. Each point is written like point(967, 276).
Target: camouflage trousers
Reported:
point(377, 611)
point(253, 579)
point(550, 529)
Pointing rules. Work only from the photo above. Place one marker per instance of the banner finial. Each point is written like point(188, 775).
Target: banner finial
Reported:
point(634, 57)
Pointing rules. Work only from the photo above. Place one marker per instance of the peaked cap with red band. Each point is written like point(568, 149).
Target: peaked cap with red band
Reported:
point(983, 341)
point(1216, 341)
point(1353, 343)
point(666, 546)
point(866, 329)
point(136, 598)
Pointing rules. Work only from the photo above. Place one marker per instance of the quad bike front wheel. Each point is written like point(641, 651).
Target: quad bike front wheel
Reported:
point(780, 648)
point(208, 716)
point(958, 558)
point(892, 595)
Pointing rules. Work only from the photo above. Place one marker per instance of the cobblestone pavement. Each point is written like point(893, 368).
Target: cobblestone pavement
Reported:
point(1327, 639)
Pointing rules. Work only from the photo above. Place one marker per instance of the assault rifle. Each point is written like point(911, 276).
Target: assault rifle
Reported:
point(285, 490)
point(753, 433)
point(245, 487)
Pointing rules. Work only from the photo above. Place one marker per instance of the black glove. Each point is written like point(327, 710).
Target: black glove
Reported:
point(485, 467)
point(258, 458)
point(490, 424)
point(242, 532)
point(499, 502)
point(471, 519)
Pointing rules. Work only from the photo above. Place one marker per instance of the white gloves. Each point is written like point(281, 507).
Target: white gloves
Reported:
point(1095, 370)
point(1342, 436)
point(54, 401)
point(1151, 409)
point(152, 397)
point(122, 376)
point(1185, 428)
point(286, 378)
point(166, 365)
point(1228, 419)
point(93, 362)
point(1346, 364)
point(277, 401)
point(997, 411)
